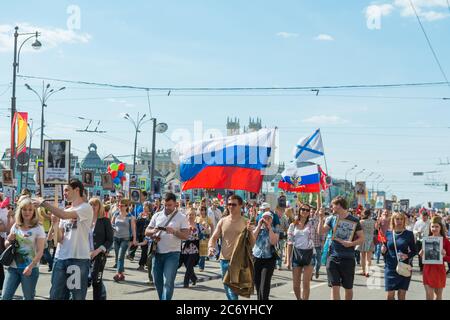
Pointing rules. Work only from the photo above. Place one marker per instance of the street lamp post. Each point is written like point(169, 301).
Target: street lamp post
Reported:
point(46, 94)
point(31, 134)
point(36, 45)
point(152, 172)
point(137, 124)
point(345, 180)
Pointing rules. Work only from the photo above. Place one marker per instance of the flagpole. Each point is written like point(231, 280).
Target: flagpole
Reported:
point(326, 166)
point(319, 198)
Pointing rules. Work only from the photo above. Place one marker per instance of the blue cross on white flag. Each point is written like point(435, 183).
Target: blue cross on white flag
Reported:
point(309, 147)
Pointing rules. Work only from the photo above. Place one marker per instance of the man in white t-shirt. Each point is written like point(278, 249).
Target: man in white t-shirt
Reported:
point(165, 261)
point(72, 258)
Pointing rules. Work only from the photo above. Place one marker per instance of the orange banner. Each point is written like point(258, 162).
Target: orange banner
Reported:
point(22, 129)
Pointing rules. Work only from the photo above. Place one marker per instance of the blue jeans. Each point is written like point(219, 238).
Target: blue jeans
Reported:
point(317, 258)
point(378, 252)
point(201, 262)
point(48, 257)
point(224, 267)
point(282, 244)
point(70, 279)
point(164, 271)
point(14, 277)
point(120, 248)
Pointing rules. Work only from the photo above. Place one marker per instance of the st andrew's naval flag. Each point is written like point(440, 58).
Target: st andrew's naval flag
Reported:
point(309, 148)
point(232, 162)
point(309, 179)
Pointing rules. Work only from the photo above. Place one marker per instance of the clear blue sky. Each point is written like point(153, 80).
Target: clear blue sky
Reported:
point(239, 44)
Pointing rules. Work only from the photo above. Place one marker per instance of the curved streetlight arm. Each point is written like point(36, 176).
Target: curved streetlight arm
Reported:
point(35, 92)
point(52, 93)
point(132, 121)
point(34, 34)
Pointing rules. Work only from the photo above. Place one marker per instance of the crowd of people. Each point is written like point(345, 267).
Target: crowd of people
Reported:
point(249, 241)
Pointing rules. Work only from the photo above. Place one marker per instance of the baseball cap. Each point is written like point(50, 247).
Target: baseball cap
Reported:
point(265, 214)
point(265, 206)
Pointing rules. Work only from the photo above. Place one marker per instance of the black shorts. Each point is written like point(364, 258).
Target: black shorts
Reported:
point(341, 272)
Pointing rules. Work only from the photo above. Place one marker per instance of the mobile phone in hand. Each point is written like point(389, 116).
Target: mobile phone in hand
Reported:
point(161, 228)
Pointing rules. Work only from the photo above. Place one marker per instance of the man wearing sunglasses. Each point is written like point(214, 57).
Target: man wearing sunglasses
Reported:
point(229, 229)
point(170, 234)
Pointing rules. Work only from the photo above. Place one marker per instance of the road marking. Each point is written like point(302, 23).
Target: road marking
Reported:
point(314, 286)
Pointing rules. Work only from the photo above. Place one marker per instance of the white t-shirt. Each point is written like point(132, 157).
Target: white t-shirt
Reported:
point(169, 242)
point(301, 239)
point(27, 245)
point(76, 234)
point(4, 218)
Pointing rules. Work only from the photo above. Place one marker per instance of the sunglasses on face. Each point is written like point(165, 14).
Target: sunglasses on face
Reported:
point(304, 209)
point(232, 204)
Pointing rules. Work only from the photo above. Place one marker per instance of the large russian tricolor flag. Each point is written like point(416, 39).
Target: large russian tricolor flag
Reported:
point(233, 162)
point(309, 179)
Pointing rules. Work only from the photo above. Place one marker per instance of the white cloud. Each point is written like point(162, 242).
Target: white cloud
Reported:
point(286, 35)
point(50, 37)
point(429, 10)
point(324, 119)
point(324, 37)
point(376, 10)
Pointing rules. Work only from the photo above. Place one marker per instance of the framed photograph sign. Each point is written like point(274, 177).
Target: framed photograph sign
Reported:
point(135, 195)
point(432, 250)
point(88, 178)
point(56, 161)
point(107, 182)
point(344, 230)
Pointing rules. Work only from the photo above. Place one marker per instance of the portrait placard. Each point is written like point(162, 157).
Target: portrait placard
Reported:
point(432, 250)
point(344, 230)
point(56, 161)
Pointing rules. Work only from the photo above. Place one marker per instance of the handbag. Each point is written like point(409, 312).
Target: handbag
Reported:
point(303, 257)
point(7, 257)
point(403, 269)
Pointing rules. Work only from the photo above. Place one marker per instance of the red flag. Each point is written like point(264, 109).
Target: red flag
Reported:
point(219, 196)
point(323, 179)
point(381, 236)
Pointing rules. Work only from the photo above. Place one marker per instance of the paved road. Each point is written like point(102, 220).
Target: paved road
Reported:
point(209, 286)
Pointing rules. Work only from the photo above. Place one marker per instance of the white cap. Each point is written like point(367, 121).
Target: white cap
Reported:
point(265, 206)
point(268, 213)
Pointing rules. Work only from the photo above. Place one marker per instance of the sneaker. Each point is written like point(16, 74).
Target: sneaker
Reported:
point(116, 278)
point(317, 275)
point(131, 258)
point(121, 277)
point(201, 270)
point(141, 268)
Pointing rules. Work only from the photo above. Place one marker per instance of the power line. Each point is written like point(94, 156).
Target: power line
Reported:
point(429, 43)
point(229, 89)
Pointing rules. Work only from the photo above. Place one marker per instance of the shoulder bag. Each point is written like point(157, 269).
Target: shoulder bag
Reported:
point(154, 242)
point(7, 257)
point(403, 269)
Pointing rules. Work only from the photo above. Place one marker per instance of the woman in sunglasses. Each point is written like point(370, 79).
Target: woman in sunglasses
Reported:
point(300, 251)
point(124, 225)
point(206, 223)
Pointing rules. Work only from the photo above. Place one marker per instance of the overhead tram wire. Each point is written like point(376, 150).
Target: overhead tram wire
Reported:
point(231, 89)
point(429, 43)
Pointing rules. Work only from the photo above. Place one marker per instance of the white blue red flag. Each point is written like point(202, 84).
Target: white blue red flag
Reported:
point(309, 148)
point(232, 162)
point(309, 179)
